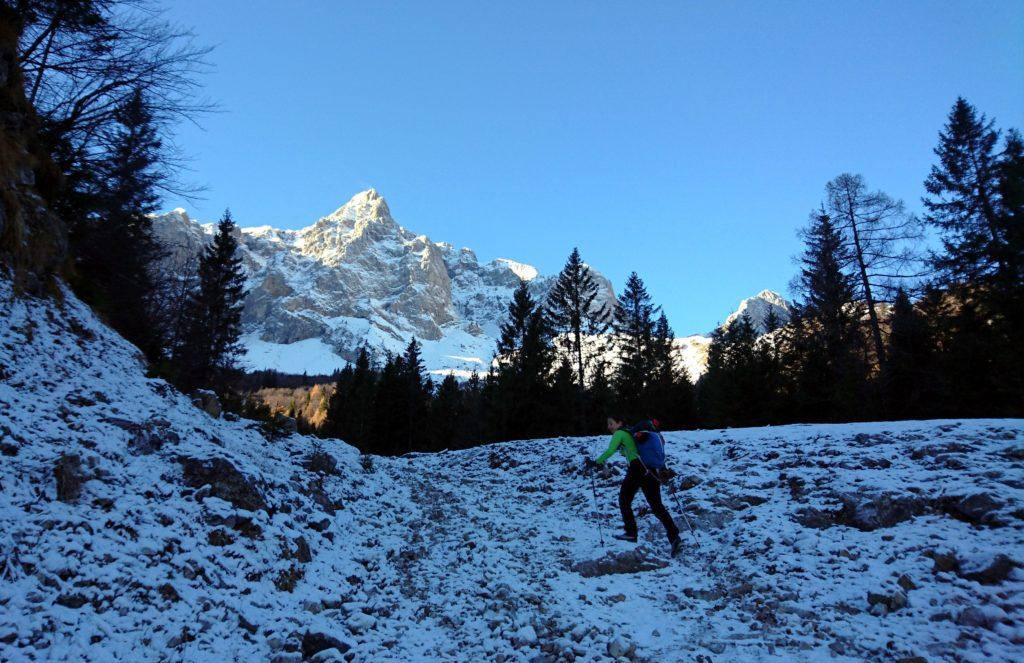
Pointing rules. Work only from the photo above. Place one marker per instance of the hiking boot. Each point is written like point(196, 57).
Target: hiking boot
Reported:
point(677, 547)
point(625, 537)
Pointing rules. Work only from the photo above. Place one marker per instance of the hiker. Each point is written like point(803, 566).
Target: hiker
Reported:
point(638, 477)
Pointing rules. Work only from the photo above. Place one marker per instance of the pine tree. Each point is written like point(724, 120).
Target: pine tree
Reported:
point(416, 393)
point(575, 314)
point(908, 373)
point(830, 353)
point(524, 358)
point(215, 312)
point(115, 247)
point(634, 335)
point(447, 412)
point(964, 198)
point(349, 410)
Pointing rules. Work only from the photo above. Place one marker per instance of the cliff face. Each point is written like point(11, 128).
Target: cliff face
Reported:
point(33, 241)
point(356, 276)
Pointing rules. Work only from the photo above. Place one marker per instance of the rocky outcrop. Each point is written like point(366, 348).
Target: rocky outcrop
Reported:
point(33, 241)
point(225, 482)
point(868, 513)
point(636, 560)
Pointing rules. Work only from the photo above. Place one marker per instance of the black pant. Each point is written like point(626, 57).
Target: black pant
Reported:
point(638, 478)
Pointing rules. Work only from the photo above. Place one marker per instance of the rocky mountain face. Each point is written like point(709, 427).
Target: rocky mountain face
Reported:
point(356, 276)
point(759, 307)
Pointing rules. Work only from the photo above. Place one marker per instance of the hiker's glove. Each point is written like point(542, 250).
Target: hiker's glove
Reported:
point(590, 464)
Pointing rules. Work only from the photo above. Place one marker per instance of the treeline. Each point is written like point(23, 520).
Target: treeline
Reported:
point(107, 81)
point(561, 365)
point(882, 329)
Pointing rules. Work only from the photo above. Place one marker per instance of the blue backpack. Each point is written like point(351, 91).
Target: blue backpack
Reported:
point(649, 444)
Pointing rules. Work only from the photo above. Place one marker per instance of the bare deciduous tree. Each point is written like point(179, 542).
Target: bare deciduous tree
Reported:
point(82, 59)
point(881, 240)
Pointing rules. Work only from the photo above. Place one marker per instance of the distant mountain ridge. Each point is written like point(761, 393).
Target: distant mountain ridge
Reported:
point(356, 276)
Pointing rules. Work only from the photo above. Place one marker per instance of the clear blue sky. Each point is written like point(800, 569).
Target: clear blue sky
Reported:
point(685, 140)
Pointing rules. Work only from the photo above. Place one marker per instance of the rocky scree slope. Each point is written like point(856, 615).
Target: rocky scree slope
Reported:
point(135, 526)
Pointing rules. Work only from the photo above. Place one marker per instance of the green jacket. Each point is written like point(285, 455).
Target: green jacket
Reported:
point(622, 439)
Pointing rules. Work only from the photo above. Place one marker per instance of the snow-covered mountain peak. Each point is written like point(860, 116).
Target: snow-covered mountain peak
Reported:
point(758, 307)
point(523, 271)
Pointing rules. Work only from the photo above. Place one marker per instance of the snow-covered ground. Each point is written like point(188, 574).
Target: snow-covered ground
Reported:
point(197, 538)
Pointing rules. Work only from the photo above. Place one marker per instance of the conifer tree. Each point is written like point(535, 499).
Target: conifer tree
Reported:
point(907, 375)
point(964, 201)
point(415, 394)
point(390, 409)
point(634, 336)
point(731, 392)
point(447, 412)
point(599, 399)
point(349, 411)
point(114, 246)
point(832, 375)
point(524, 358)
point(575, 315)
point(214, 313)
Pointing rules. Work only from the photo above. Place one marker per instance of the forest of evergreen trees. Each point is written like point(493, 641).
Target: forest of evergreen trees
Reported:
point(884, 327)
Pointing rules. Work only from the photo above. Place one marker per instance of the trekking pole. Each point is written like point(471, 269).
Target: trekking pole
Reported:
point(593, 487)
point(683, 512)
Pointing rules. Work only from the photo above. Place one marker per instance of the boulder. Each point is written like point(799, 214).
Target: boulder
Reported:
point(70, 477)
point(985, 616)
point(225, 482)
point(207, 401)
point(150, 437)
point(631, 561)
point(870, 513)
point(689, 481)
point(989, 570)
point(814, 518)
point(976, 508)
point(302, 551)
point(892, 601)
point(619, 647)
point(313, 643)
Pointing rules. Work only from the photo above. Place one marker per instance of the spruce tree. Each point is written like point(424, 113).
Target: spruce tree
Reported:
point(524, 358)
point(415, 394)
point(447, 412)
point(731, 393)
point(115, 249)
point(907, 375)
point(633, 326)
point(389, 434)
point(576, 317)
point(214, 313)
point(829, 346)
point(975, 201)
point(349, 410)
point(964, 198)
